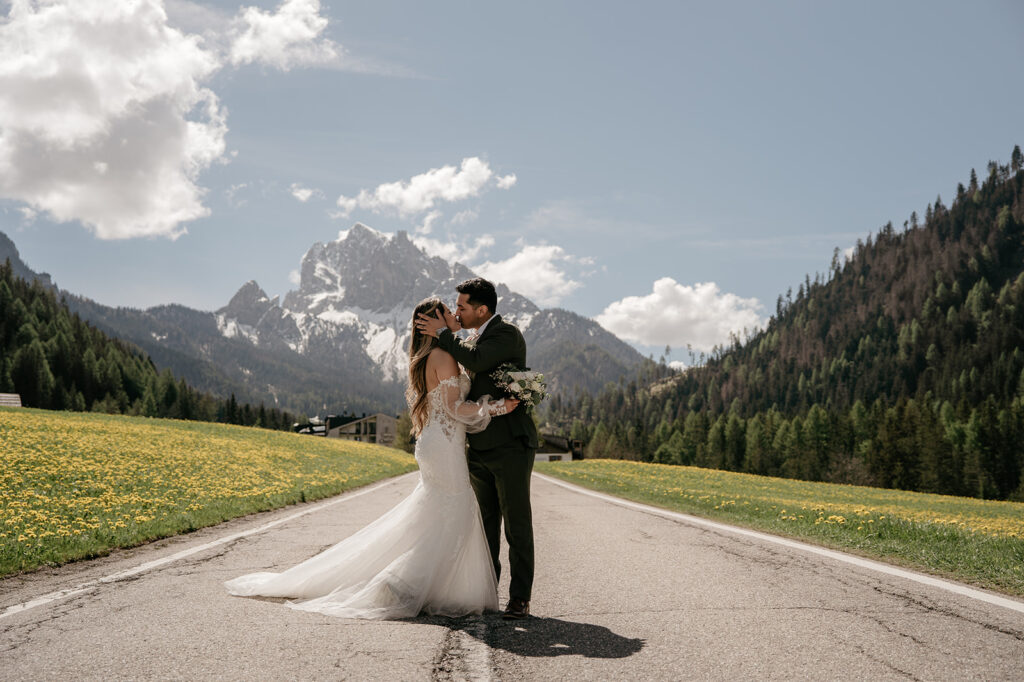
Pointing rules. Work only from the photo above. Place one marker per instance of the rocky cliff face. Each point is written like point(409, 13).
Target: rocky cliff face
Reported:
point(9, 252)
point(356, 295)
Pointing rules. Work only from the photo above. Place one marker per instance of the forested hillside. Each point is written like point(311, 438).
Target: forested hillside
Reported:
point(901, 367)
point(57, 361)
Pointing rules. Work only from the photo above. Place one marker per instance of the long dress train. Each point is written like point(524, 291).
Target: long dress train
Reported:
point(427, 554)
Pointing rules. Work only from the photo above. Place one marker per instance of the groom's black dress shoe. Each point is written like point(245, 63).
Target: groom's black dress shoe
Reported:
point(517, 609)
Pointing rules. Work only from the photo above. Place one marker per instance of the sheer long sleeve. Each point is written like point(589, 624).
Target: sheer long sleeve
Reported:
point(475, 415)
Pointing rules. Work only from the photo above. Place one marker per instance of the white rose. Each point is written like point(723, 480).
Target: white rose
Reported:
point(515, 387)
point(534, 385)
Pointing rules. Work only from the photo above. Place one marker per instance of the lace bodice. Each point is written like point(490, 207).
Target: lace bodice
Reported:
point(448, 408)
point(441, 444)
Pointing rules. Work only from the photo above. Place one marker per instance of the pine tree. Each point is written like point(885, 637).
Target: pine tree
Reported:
point(735, 442)
point(671, 451)
point(31, 376)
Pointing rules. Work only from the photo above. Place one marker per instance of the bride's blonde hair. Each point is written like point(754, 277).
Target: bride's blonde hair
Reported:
point(420, 346)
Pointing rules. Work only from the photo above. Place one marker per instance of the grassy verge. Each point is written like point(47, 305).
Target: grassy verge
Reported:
point(973, 541)
point(75, 485)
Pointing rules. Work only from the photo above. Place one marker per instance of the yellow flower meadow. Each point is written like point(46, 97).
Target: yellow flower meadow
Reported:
point(75, 485)
point(791, 500)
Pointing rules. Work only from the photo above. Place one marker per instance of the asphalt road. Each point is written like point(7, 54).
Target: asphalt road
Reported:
point(621, 594)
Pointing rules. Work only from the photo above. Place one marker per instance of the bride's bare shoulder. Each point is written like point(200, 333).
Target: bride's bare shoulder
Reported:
point(442, 363)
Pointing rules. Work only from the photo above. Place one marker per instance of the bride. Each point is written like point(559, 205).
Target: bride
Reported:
point(428, 554)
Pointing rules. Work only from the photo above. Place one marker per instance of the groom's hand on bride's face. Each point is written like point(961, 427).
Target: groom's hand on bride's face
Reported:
point(452, 320)
point(431, 325)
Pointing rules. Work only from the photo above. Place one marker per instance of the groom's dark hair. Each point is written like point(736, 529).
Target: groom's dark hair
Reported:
point(481, 292)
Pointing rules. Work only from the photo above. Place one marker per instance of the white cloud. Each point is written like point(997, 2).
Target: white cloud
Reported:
point(106, 114)
point(467, 216)
point(295, 277)
point(427, 226)
point(535, 272)
point(289, 37)
point(28, 214)
point(232, 192)
point(422, 192)
point(677, 365)
point(849, 252)
point(675, 314)
point(454, 251)
point(301, 193)
point(104, 117)
point(506, 181)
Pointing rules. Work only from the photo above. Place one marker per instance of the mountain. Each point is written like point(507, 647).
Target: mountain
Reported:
point(8, 251)
point(339, 342)
point(355, 299)
point(902, 367)
point(55, 360)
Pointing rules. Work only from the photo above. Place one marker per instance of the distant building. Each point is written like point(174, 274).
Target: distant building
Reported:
point(10, 400)
point(558, 448)
point(376, 428)
point(315, 426)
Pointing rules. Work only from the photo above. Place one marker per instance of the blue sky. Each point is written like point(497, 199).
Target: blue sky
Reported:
point(672, 161)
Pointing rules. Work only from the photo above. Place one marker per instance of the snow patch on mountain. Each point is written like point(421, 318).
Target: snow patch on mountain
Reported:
point(355, 298)
point(387, 349)
point(230, 328)
point(342, 317)
point(523, 321)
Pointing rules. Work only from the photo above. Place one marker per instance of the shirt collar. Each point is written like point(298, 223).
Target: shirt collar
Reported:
point(481, 328)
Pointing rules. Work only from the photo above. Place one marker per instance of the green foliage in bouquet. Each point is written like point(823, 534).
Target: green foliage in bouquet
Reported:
point(525, 385)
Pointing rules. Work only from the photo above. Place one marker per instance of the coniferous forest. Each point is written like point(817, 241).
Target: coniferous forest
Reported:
point(902, 366)
point(54, 360)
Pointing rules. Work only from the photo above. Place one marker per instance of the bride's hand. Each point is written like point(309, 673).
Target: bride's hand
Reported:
point(510, 404)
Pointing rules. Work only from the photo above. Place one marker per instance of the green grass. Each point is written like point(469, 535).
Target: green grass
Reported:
point(76, 485)
point(974, 541)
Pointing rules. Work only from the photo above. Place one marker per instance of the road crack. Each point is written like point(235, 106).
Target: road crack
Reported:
point(464, 653)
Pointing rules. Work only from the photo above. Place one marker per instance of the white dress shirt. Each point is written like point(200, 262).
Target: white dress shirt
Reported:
point(480, 330)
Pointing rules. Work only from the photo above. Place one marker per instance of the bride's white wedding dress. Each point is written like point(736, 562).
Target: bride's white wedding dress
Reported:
point(428, 554)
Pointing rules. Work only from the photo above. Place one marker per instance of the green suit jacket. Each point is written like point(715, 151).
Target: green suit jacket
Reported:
point(500, 343)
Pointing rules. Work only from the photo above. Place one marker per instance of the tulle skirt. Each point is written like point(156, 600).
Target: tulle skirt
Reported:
point(427, 554)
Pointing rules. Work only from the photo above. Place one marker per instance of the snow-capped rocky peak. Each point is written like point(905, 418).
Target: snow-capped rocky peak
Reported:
point(370, 271)
point(248, 305)
point(355, 299)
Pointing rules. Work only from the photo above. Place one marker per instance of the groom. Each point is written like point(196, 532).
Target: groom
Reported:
point(500, 457)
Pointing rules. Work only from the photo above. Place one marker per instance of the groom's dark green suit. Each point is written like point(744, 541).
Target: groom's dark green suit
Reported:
point(501, 456)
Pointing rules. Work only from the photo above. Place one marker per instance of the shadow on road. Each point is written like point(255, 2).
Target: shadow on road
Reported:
point(539, 637)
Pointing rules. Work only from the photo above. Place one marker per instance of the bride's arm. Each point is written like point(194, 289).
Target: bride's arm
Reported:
point(476, 415)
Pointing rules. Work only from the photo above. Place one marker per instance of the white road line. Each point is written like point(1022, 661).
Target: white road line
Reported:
point(150, 565)
point(956, 588)
point(477, 654)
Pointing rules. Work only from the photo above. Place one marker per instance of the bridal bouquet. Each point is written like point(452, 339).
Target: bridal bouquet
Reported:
point(526, 386)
